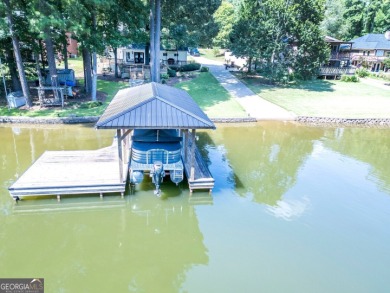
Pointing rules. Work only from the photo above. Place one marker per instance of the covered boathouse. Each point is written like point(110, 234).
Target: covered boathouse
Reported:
point(159, 108)
point(150, 106)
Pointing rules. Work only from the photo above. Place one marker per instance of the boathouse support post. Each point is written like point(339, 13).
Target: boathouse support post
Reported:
point(120, 155)
point(192, 172)
point(186, 145)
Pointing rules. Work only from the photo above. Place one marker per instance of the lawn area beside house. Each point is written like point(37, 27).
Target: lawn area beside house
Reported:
point(212, 97)
point(77, 65)
point(209, 54)
point(74, 107)
point(326, 98)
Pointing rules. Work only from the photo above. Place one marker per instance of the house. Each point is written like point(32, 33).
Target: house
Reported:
point(73, 46)
point(339, 60)
point(139, 54)
point(340, 52)
point(371, 50)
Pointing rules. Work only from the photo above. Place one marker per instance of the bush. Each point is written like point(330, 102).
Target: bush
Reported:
point(362, 72)
point(204, 69)
point(349, 78)
point(164, 76)
point(174, 67)
point(171, 72)
point(190, 67)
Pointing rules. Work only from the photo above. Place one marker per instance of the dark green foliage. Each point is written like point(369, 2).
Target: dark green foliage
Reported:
point(190, 67)
point(171, 72)
point(280, 37)
point(186, 67)
point(164, 76)
point(204, 69)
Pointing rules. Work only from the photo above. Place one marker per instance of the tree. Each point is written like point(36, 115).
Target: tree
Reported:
point(18, 56)
point(334, 23)
point(224, 17)
point(282, 36)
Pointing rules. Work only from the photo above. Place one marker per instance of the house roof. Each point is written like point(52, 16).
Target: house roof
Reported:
point(330, 39)
point(153, 106)
point(371, 42)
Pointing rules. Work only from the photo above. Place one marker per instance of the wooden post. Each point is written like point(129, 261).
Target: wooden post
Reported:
point(118, 134)
point(192, 173)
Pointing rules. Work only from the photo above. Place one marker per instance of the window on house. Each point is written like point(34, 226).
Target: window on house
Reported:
point(364, 53)
point(368, 53)
point(165, 54)
point(175, 54)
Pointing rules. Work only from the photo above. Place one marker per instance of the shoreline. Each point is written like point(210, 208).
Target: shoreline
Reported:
point(308, 120)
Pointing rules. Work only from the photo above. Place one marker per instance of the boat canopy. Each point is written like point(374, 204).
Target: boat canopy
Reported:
point(153, 106)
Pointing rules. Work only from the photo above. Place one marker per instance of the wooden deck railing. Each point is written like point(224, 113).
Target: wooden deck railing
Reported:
point(336, 71)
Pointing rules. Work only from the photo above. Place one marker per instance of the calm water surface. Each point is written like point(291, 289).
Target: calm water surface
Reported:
point(294, 209)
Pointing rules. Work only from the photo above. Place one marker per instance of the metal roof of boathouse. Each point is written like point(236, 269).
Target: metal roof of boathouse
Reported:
point(153, 106)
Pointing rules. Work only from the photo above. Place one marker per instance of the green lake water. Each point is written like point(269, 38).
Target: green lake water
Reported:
point(294, 209)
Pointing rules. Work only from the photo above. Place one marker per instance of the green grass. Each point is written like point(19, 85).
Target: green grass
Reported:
point(209, 54)
point(77, 65)
point(212, 97)
point(109, 87)
point(327, 98)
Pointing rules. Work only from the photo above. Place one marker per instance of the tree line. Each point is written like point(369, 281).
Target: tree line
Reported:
point(282, 38)
point(33, 33)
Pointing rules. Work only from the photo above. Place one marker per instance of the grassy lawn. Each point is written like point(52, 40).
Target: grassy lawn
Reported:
point(212, 97)
point(77, 65)
point(327, 98)
point(109, 87)
point(209, 54)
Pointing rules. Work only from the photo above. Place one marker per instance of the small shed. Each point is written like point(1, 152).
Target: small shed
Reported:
point(158, 106)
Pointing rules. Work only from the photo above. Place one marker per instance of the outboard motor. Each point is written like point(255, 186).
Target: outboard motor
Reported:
point(157, 174)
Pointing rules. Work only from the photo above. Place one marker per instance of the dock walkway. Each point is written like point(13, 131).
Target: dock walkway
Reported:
point(202, 175)
point(71, 172)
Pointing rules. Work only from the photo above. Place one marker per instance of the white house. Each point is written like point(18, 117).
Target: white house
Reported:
point(138, 54)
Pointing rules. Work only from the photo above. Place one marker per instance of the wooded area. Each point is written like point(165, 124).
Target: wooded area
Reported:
point(33, 33)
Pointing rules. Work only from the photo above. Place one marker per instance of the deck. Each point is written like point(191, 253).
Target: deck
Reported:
point(336, 71)
point(202, 176)
point(71, 172)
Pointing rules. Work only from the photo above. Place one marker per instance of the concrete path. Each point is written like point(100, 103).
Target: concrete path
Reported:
point(253, 104)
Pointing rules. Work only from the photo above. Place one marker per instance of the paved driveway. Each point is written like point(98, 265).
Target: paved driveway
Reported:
point(253, 104)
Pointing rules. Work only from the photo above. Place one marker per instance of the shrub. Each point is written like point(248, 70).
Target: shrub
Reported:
point(349, 78)
point(204, 69)
point(171, 72)
point(190, 67)
point(362, 72)
point(164, 76)
point(174, 67)
point(163, 81)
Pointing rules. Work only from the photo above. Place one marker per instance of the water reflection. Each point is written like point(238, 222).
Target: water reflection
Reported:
point(318, 206)
point(266, 160)
point(368, 145)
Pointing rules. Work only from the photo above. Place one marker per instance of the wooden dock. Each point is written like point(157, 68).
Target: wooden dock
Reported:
point(201, 177)
point(71, 172)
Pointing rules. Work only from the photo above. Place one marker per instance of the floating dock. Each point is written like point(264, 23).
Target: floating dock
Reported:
point(71, 172)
